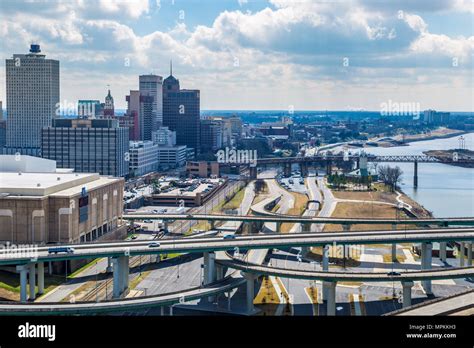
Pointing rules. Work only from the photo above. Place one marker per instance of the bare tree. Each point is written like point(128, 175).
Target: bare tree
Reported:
point(390, 176)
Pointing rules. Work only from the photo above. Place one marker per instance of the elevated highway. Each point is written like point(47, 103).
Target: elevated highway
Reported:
point(121, 305)
point(212, 244)
point(281, 218)
point(432, 274)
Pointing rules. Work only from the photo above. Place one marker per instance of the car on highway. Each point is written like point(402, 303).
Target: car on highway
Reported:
point(291, 181)
point(134, 236)
point(229, 236)
point(154, 245)
point(302, 182)
point(393, 273)
point(60, 250)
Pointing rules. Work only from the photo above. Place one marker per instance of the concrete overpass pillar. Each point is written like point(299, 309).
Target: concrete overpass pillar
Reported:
point(40, 278)
point(287, 169)
point(23, 269)
point(442, 251)
point(250, 291)
point(346, 227)
point(331, 298)
point(469, 254)
point(121, 270)
point(125, 272)
point(212, 224)
point(407, 285)
point(426, 256)
point(305, 228)
point(278, 226)
point(32, 276)
point(210, 273)
point(253, 172)
point(109, 265)
point(462, 253)
point(325, 268)
point(219, 272)
point(394, 252)
point(415, 175)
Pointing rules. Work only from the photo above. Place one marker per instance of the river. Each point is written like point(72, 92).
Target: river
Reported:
point(443, 189)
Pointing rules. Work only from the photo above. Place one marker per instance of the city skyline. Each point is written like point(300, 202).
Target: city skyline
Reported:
point(256, 55)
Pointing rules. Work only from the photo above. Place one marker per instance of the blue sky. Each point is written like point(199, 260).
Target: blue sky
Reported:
point(275, 54)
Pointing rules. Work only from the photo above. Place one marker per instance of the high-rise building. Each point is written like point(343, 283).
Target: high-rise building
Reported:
point(436, 117)
point(147, 125)
point(32, 99)
point(164, 137)
point(211, 136)
point(109, 109)
point(143, 157)
point(181, 113)
point(87, 145)
point(133, 111)
point(3, 129)
point(152, 85)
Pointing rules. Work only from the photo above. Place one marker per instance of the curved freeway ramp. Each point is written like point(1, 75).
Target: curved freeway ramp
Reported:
point(442, 273)
point(121, 305)
point(459, 304)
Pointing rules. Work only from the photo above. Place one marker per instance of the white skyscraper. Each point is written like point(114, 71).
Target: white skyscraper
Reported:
point(152, 85)
point(32, 99)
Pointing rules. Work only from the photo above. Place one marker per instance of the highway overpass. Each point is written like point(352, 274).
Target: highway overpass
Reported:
point(212, 244)
point(121, 305)
point(278, 218)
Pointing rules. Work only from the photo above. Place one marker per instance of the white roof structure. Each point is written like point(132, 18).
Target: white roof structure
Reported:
point(34, 176)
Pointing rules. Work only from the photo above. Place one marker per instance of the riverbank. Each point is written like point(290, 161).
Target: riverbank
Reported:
point(405, 139)
point(442, 154)
point(377, 203)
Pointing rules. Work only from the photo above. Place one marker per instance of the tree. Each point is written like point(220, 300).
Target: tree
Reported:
point(390, 176)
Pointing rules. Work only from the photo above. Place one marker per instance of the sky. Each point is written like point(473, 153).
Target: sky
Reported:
point(255, 54)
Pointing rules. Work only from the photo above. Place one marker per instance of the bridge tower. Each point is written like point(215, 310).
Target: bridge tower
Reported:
point(415, 174)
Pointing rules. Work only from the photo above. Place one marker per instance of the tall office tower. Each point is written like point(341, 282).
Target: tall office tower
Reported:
point(109, 106)
point(87, 145)
point(211, 135)
point(181, 113)
point(32, 99)
point(146, 117)
point(3, 129)
point(133, 111)
point(152, 85)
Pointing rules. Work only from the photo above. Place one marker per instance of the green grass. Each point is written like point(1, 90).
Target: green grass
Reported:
point(236, 201)
point(11, 282)
point(169, 256)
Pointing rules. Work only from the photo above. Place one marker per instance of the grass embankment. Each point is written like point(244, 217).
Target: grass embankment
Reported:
point(299, 207)
point(364, 210)
point(10, 284)
point(235, 202)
